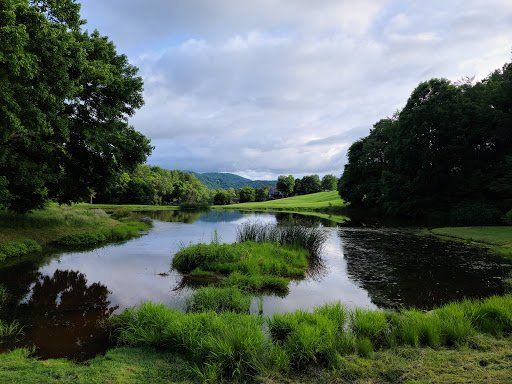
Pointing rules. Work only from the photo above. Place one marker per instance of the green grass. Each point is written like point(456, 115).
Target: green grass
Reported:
point(61, 225)
point(219, 300)
point(320, 201)
point(248, 265)
point(165, 345)
point(497, 239)
point(328, 338)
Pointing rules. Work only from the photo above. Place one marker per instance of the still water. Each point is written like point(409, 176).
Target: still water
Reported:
point(61, 300)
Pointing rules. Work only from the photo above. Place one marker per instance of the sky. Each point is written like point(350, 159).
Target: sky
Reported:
point(276, 87)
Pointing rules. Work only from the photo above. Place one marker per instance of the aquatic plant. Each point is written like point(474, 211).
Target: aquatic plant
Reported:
point(219, 300)
point(311, 239)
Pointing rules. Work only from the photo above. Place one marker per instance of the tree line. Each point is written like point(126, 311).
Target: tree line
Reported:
point(445, 158)
point(289, 186)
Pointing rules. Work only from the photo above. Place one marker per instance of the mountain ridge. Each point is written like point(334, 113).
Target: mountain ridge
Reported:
point(216, 180)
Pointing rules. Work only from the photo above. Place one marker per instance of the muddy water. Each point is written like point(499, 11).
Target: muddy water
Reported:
point(62, 300)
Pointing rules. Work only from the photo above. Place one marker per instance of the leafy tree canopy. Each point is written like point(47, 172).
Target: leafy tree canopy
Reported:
point(65, 97)
point(285, 184)
point(444, 158)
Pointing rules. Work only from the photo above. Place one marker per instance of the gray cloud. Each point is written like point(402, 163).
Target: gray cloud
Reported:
point(263, 88)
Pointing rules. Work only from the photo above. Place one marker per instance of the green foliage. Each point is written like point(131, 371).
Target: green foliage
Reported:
point(508, 217)
point(219, 300)
point(247, 195)
point(329, 182)
point(121, 232)
point(444, 158)
point(11, 329)
point(221, 198)
point(231, 343)
point(65, 99)
point(155, 186)
point(368, 324)
point(310, 239)
point(216, 180)
point(18, 248)
point(285, 184)
point(246, 265)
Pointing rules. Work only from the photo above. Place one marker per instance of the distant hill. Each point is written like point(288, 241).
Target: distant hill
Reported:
point(216, 180)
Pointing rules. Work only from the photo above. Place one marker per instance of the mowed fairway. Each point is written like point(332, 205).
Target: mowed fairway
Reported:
point(313, 202)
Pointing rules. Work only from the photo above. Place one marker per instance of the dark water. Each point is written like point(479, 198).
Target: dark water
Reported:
point(61, 300)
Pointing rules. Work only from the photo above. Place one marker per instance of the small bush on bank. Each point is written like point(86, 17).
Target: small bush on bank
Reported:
point(18, 248)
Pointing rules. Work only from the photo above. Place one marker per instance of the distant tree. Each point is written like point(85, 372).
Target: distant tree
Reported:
point(310, 184)
point(222, 197)
point(329, 182)
point(285, 184)
point(247, 195)
point(297, 188)
point(262, 193)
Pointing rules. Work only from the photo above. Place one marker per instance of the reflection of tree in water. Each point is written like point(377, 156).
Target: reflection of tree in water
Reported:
point(178, 216)
point(62, 315)
point(291, 219)
point(216, 216)
point(401, 269)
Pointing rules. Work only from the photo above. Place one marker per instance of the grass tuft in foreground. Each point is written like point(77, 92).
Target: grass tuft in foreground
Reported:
point(231, 345)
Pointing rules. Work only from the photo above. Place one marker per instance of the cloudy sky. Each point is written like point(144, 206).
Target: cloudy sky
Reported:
point(270, 87)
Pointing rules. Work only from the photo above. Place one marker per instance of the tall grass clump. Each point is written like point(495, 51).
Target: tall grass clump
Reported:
point(219, 300)
point(120, 232)
point(11, 329)
point(248, 266)
point(414, 327)
point(492, 315)
point(368, 324)
point(226, 345)
point(317, 337)
point(311, 239)
point(456, 325)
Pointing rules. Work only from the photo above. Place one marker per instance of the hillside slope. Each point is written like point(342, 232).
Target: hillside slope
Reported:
point(216, 180)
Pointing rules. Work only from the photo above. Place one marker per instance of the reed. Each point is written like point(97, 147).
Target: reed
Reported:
point(311, 239)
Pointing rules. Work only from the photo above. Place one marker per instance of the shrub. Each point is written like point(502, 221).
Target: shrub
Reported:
point(508, 217)
point(18, 248)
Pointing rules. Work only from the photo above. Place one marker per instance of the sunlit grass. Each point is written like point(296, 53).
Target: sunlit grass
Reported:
point(497, 239)
point(314, 201)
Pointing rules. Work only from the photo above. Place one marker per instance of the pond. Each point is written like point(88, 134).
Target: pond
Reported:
point(61, 300)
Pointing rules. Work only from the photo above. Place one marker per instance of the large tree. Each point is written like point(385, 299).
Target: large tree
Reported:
point(65, 97)
point(285, 184)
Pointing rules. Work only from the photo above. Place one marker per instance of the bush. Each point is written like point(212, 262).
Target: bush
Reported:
point(18, 248)
point(508, 217)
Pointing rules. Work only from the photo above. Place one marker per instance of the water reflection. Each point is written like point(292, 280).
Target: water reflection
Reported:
point(398, 268)
point(61, 314)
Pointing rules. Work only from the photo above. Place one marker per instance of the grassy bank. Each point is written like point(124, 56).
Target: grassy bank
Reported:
point(321, 201)
point(497, 239)
point(485, 360)
point(457, 341)
point(28, 233)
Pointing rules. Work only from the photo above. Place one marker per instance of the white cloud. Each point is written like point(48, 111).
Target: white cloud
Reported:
point(277, 87)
